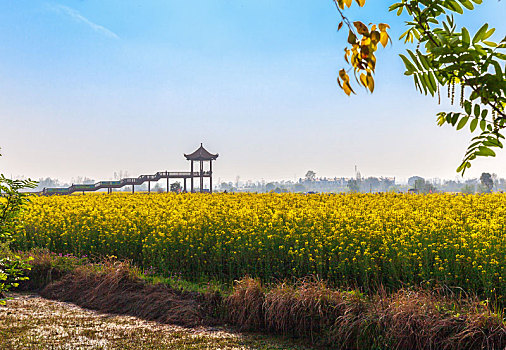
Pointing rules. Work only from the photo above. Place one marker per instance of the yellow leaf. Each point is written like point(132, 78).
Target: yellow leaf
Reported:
point(383, 27)
point(344, 77)
point(339, 82)
point(348, 2)
point(363, 79)
point(361, 3)
point(384, 39)
point(375, 37)
point(370, 82)
point(361, 28)
point(352, 38)
point(347, 89)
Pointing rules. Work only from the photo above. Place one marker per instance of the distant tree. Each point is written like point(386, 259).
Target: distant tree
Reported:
point(423, 186)
point(353, 185)
point(468, 188)
point(120, 175)
point(299, 188)
point(175, 187)
point(419, 184)
point(310, 175)
point(158, 189)
point(82, 180)
point(280, 190)
point(487, 182)
point(49, 182)
point(412, 180)
point(429, 188)
point(270, 187)
point(371, 184)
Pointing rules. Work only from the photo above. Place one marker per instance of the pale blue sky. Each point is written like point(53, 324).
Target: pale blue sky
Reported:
point(91, 87)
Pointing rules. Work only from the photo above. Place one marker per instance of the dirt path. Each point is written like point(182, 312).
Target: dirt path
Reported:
point(31, 322)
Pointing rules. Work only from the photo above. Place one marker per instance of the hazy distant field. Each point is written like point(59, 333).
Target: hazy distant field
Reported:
point(363, 239)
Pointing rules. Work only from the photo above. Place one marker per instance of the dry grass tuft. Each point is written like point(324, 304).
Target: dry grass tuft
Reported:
point(305, 309)
point(407, 319)
point(244, 307)
point(117, 290)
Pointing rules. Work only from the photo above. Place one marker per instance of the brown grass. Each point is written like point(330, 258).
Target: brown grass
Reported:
point(117, 290)
point(244, 307)
point(406, 319)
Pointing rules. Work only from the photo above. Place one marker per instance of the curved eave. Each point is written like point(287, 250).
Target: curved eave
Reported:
point(199, 157)
point(201, 154)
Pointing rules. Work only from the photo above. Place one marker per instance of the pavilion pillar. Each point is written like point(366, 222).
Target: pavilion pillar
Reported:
point(168, 184)
point(201, 176)
point(211, 176)
point(191, 174)
point(185, 184)
point(133, 188)
point(149, 186)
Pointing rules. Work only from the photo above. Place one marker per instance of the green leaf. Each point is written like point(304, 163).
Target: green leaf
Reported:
point(432, 82)
point(488, 34)
point(455, 118)
point(409, 66)
point(453, 5)
point(462, 123)
point(461, 167)
point(490, 43)
point(497, 67)
point(468, 106)
point(467, 4)
point(477, 110)
point(415, 59)
point(480, 34)
point(466, 38)
point(473, 125)
point(485, 152)
point(441, 119)
point(483, 125)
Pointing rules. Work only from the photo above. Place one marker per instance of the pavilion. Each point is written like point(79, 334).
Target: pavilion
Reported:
point(200, 156)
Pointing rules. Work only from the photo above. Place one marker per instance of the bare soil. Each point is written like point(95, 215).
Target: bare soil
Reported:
point(31, 322)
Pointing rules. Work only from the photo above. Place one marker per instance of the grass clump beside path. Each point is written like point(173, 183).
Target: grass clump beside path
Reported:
point(309, 309)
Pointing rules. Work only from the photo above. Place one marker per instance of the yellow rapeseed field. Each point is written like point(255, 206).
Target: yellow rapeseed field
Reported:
point(362, 240)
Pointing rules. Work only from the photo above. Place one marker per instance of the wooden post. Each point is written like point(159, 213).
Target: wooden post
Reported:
point(149, 186)
point(191, 174)
point(211, 176)
point(185, 184)
point(133, 188)
point(168, 188)
point(201, 176)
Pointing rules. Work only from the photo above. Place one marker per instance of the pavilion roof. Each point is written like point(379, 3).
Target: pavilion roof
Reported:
point(201, 154)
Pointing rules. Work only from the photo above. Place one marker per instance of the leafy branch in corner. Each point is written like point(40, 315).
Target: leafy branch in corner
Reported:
point(448, 56)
